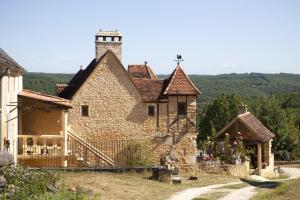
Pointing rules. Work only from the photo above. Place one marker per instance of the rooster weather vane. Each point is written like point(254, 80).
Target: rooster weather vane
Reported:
point(179, 59)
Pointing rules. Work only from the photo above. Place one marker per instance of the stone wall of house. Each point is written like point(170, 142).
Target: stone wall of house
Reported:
point(117, 112)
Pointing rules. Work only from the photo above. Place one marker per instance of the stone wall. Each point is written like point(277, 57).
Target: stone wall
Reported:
point(117, 112)
point(240, 170)
point(102, 47)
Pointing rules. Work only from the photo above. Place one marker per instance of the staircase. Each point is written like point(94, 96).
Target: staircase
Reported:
point(90, 147)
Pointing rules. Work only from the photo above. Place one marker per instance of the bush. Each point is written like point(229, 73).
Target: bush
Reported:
point(6, 158)
point(18, 183)
point(139, 154)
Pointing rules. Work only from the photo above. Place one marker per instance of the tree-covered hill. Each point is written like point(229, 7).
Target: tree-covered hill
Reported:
point(253, 84)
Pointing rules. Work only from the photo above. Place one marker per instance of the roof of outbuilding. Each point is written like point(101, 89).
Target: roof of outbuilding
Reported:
point(45, 98)
point(8, 61)
point(247, 119)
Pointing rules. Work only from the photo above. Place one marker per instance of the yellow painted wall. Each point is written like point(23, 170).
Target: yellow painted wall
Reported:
point(38, 118)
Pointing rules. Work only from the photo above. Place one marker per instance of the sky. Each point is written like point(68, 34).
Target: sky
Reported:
point(213, 36)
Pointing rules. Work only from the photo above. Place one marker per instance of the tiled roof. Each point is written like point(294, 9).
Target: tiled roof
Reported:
point(148, 85)
point(256, 126)
point(261, 133)
point(151, 90)
point(180, 83)
point(8, 61)
point(45, 98)
point(141, 71)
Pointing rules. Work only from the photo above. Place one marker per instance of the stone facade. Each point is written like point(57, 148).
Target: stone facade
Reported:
point(117, 112)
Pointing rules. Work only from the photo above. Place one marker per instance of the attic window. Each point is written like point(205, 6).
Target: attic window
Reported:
point(84, 111)
point(181, 108)
point(151, 110)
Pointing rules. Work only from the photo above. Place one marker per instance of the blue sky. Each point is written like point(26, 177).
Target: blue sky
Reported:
point(214, 37)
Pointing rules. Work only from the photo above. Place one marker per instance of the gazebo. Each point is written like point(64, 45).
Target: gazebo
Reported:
point(255, 135)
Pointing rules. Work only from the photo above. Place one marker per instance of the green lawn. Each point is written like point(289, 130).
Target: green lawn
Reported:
point(133, 185)
point(286, 191)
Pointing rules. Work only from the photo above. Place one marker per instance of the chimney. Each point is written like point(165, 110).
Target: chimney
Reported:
point(108, 40)
point(242, 109)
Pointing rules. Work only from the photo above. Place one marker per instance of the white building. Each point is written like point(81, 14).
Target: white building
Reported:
point(11, 84)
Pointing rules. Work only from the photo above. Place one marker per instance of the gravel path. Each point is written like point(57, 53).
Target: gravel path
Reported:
point(191, 193)
point(240, 194)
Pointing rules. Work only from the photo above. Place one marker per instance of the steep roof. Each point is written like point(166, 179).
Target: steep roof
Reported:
point(82, 75)
point(180, 83)
point(141, 71)
point(247, 119)
point(8, 61)
point(45, 98)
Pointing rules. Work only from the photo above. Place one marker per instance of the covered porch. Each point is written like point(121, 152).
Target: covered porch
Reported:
point(255, 137)
point(42, 134)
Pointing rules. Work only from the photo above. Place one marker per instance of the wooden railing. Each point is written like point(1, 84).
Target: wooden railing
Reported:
point(91, 148)
point(29, 145)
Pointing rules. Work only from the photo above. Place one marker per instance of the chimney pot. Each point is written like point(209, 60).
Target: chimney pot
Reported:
point(243, 109)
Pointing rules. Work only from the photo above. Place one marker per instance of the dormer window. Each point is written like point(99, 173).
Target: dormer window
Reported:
point(151, 110)
point(181, 108)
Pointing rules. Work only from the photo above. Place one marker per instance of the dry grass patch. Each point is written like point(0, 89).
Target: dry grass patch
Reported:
point(286, 191)
point(134, 185)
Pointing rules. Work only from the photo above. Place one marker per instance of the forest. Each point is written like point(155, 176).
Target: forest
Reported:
point(273, 98)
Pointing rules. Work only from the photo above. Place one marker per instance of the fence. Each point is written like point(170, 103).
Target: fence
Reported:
point(53, 152)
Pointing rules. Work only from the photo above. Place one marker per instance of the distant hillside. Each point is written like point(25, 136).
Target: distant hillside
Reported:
point(44, 82)
point(254, 84)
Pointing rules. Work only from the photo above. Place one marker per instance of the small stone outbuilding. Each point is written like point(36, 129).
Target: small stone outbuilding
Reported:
point(255, 135)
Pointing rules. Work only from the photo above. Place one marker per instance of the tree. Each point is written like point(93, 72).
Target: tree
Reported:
point(217, 115)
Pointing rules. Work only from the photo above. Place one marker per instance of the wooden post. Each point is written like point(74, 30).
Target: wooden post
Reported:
point(259, 162)
point(64, 123)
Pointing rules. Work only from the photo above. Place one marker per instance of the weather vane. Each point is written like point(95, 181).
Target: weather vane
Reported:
point(179, 59)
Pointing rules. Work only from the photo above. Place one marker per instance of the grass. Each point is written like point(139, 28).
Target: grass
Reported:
point(134, 185)
point(281, 176)
point(286, 191)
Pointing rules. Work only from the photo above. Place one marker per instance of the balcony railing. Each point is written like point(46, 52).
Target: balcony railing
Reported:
point(32, 145)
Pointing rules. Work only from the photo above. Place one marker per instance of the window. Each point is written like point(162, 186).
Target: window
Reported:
point(151, 110)
point(181, 108)
point(84, 110)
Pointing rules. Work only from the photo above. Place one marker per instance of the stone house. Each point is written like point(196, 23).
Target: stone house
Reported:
point(112, 103)
point(255, 136)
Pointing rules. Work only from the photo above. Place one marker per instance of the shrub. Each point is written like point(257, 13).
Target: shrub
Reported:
point(6, 158)
point(139, 154)
point(18, 183)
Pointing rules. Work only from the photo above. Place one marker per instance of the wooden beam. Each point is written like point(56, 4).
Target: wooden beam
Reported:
point(177, 113)
point(186, 116)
